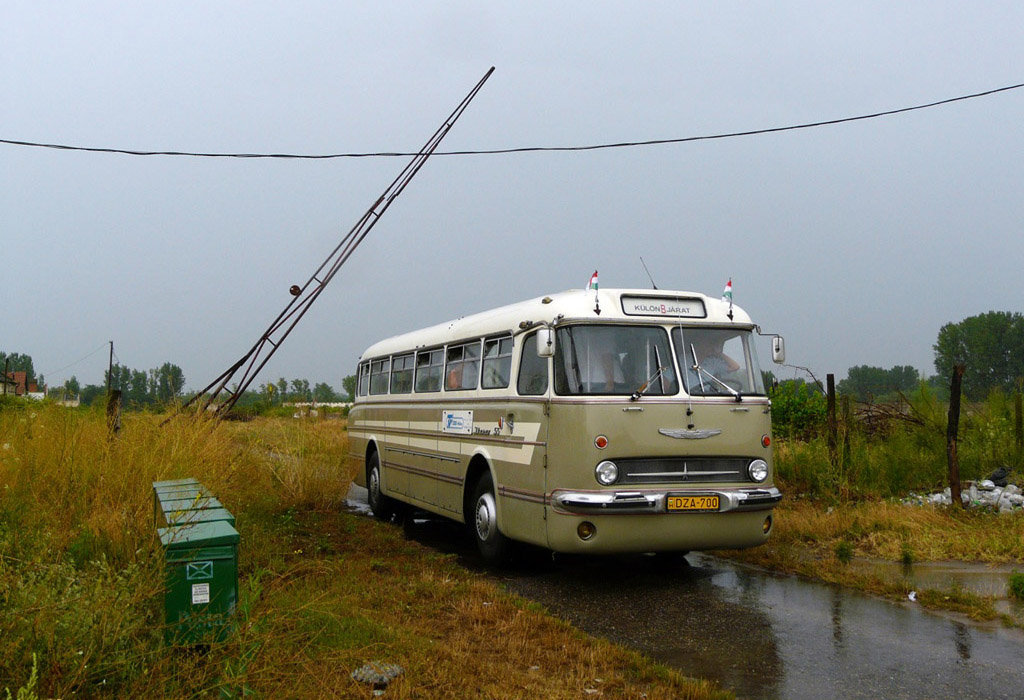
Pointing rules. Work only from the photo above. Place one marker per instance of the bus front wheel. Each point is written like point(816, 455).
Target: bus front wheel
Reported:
point(382, 506)
point(493, 545)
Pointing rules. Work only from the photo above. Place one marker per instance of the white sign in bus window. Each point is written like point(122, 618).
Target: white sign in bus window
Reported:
point(460, 422)
point(673, 307)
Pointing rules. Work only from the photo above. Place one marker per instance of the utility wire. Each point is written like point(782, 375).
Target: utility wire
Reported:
point(82, 359)
point(526, 149)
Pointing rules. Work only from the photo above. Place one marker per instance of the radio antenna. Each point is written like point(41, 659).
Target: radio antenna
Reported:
point(303, 297)
point(653, 285)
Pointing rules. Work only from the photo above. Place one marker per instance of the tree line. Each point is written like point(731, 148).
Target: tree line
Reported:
point(989, 345)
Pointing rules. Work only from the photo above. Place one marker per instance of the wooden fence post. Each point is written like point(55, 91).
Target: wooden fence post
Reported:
point(952, 431)
point(1018, 422)
point(114, 412)
point(847, 427)
point(833, 424)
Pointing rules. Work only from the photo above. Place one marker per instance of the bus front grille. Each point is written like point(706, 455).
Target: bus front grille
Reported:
point(682, 470)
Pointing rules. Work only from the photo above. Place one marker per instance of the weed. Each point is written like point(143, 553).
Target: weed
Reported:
point(28, 691)
point(844, 551)
point(1016, 585)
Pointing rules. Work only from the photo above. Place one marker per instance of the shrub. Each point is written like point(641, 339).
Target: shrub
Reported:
point(1017, 585)
point(797, 412)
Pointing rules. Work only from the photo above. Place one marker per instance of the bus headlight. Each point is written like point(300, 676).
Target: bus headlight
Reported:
point(607, 473)
point(757, 470)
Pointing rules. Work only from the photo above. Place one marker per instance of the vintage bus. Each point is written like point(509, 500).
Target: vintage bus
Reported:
point(606, 421)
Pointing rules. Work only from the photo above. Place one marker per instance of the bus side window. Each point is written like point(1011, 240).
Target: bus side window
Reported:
point(401, 375)
point(533, 369)
point(428, 370)
point(364, 378)
point(380, 371)
point(497, 363)
point(463, 366)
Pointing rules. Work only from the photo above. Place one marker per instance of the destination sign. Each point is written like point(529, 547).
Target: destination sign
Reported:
point(675, 307)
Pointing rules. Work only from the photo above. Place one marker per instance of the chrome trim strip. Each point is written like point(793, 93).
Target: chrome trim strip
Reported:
point(509, 440)
point(521, 495)
point(414, 471)
point(638, 502)
point(685, 474)
point(414, 453)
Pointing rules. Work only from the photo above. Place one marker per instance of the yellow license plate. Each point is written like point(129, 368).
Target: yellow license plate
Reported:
point(691, 503)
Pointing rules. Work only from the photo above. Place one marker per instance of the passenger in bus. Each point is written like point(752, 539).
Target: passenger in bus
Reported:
point(711, 357)
point(604, 374)
point(454, 380)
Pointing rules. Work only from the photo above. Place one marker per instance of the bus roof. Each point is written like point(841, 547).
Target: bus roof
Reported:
point(632, 305)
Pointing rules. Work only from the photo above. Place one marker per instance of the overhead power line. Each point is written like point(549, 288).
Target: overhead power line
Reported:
point(525, 149)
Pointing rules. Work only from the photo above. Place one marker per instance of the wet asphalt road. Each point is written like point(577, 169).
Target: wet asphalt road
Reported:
point(758, 634)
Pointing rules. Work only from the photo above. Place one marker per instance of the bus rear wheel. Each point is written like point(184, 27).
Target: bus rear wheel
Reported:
point(383, 507)
point(483, 523)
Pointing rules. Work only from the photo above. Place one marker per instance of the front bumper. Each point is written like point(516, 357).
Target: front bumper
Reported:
point(637, 502)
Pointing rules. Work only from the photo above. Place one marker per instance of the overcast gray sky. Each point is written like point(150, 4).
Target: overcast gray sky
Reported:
point(856, 242)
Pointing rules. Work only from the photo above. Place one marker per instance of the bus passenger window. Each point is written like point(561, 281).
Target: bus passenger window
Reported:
point(428, 370)
point(364, 378)
point(463, 366)
point(401, 375)
point(533, 369)
point(497, 363)
point(379, 372)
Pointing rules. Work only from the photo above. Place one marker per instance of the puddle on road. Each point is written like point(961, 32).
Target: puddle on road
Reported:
point(762, 635)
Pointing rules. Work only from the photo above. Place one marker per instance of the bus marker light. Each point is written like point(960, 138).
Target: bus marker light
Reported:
point(601, 442)
point(766, 441)
point(767, 525)
point(586, 530)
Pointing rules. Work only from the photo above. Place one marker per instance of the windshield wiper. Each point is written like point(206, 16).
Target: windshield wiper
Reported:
point(659, 373)
point(635, 396)
point(701, 372)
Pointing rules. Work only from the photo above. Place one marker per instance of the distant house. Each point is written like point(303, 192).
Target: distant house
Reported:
point(17, 383)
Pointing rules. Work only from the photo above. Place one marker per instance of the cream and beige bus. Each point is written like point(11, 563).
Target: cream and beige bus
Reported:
point(606, 421)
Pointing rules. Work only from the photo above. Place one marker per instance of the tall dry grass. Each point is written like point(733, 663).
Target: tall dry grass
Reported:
point(322, 591)
point(80, 569)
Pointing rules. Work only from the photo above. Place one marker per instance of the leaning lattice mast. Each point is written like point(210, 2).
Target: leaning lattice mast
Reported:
point(250, 364)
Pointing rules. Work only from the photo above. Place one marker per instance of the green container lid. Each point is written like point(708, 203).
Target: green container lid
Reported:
point(195, 535)
point(182, 492)
point(174, 483)
point(200, 503)
point(205, 515)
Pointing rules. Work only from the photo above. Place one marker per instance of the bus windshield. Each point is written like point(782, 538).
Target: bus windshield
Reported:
point(614, 360)
point(724, 354)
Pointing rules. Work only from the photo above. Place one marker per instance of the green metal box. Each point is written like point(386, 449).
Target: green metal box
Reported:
point(167, 511)
point(202, 515)
point(201, 581)
point(174, 484)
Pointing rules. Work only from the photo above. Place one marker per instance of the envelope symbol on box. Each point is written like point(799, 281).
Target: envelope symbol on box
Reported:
point(198, 570)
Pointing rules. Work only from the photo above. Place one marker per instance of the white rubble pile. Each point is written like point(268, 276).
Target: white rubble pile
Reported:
point(983, 494)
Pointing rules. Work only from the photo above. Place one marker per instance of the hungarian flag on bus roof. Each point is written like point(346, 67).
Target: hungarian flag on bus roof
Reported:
point(593, 281)
point(727, 292)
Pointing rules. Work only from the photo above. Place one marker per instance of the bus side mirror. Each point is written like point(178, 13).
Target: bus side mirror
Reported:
point(778, 350)
point(545, 342)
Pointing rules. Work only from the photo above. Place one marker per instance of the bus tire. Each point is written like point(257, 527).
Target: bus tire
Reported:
point(483, 523)
point(383, 506)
